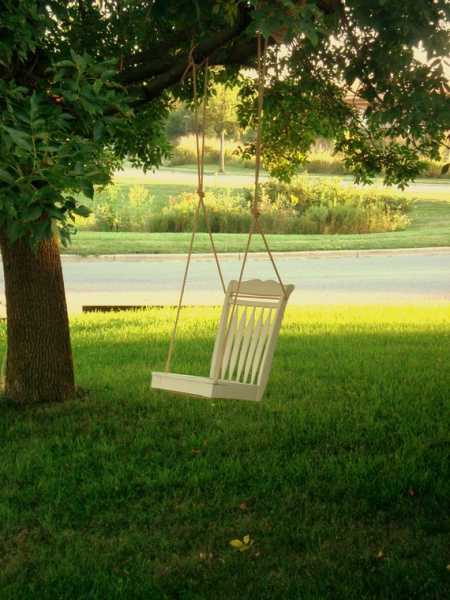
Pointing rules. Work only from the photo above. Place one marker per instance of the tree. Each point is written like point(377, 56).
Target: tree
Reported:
point(86, 83)
point(180, 121)
point(222, 116)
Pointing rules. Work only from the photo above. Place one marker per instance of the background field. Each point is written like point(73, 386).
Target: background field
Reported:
point(340, 477)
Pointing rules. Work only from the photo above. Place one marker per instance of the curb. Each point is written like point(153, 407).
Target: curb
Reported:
point(305, 254)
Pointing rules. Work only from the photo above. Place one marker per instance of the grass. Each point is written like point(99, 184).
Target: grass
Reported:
point(430, 227)
point(340, 477)
point(232, 177)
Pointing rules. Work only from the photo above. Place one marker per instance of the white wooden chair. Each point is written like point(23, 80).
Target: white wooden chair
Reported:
point(244, 347)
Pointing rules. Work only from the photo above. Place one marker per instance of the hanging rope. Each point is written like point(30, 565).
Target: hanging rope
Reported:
point(256, 224)
point(200, 151)
point(201, 158)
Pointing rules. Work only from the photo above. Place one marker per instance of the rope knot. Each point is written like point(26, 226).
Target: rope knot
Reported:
point(256, 212)
point(201, 193)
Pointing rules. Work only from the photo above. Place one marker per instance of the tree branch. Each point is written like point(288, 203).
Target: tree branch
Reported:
point(230, 47)
point(150, 67)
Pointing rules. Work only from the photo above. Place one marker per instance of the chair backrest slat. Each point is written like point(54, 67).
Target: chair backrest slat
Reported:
point(231, 332)
point(260, 348)
point(248, 334)
point(237, 343)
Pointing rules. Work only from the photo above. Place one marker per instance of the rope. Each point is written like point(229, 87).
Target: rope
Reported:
point(201, 165)
point(200, 147)
point(183, 286)
point(255, 224)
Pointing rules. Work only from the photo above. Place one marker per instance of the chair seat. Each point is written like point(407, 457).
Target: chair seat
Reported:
point(205, 387)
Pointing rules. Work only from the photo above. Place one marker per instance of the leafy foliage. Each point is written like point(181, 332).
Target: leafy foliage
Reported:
point(53, 143)
point(84, 84)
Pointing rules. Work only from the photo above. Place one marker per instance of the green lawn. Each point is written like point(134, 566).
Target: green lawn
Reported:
point(340, 477)
point(430, 228)
point(130, 175)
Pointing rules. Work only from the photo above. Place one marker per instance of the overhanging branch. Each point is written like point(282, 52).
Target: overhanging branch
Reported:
point(151, 67)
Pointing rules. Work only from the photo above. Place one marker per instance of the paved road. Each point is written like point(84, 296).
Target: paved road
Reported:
point(233, 179)
point(350, 278)
point(365, 279)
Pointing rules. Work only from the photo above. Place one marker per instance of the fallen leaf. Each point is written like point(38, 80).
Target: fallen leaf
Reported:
point(242, 545)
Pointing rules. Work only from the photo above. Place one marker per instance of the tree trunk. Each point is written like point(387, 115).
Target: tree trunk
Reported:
point(222, 152)
point(39, 366)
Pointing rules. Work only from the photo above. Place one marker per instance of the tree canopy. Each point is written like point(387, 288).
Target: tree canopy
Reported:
point(87, 83)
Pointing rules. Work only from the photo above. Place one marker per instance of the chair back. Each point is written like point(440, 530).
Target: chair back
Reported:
point(247, 335)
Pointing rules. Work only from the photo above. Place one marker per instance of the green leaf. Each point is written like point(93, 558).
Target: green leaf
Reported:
point(97, 85)
point(14, 231)
point(20, 138)
point(82, 211)
point(6, 177)
point(88, 189)
point(98, 130)
point(33, 214)
point(64, 64)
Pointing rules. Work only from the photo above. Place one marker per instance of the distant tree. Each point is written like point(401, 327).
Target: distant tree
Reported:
point(223, 117)
point(179, 121)
point(85, 84)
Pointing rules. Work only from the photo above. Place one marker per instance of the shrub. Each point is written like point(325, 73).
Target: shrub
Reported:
point(330, 207)
point(120, 208)
point(308, 207)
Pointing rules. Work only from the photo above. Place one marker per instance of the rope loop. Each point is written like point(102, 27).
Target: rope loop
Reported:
point(201, 193)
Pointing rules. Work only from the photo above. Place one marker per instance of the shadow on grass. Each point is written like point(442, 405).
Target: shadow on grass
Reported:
point(340, 476)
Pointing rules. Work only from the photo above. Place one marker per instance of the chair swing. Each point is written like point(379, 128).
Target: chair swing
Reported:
point(253, 309)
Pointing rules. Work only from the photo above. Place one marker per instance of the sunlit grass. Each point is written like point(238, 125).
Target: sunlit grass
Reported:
point(340, 476)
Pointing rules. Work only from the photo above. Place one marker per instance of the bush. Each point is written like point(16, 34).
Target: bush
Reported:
point(330, 207)
point(121, 208)
point(308, 207)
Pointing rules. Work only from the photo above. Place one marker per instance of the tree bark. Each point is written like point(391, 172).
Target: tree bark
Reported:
point(222, 152)
point(39, 365)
